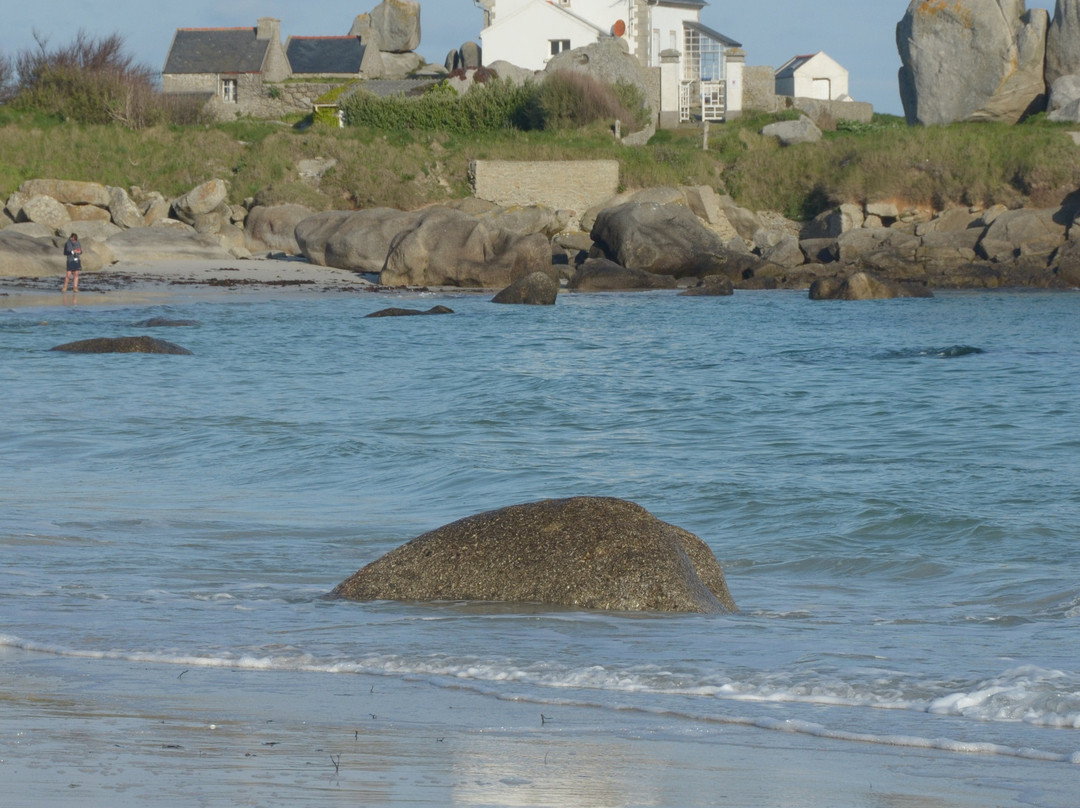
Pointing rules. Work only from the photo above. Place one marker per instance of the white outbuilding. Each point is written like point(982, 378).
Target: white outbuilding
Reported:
point(815, 75)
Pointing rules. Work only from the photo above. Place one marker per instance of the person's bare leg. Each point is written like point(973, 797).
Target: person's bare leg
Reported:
point(67, 277)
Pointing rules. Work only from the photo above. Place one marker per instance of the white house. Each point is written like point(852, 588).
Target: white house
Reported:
point(527, 33)
point(814, 75)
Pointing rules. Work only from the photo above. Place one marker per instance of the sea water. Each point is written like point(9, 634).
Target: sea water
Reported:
point(890, 486)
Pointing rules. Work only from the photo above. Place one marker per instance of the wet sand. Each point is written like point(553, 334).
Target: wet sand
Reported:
point(93, 732)
point(179, 281)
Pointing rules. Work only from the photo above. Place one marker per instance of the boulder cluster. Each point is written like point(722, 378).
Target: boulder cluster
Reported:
point(391, 35)
point(115, 224)
point(661, 238)
point(989, 60)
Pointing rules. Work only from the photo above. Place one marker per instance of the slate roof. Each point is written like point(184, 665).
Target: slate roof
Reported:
point(711, 34)
point(325, 54)
point(216, 50)
point(787, 70)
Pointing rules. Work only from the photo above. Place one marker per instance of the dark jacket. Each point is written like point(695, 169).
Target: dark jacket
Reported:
point(73, 251)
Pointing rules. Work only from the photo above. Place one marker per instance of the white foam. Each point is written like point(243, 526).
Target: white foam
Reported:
point(1023, 694)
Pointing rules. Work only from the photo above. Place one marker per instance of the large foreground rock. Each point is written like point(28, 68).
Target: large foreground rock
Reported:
point(971, 60)
point(585, 552)
point(661, 239)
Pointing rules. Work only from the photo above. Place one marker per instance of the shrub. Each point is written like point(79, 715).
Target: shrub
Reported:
point(570, 98)
point(92, 80)
point(7, 77)
point(489, 107)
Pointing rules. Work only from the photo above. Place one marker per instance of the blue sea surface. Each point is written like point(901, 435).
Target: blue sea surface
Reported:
point(890, 486)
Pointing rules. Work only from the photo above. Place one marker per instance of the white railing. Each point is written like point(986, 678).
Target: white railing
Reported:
point(713, 100)
point(707, 97)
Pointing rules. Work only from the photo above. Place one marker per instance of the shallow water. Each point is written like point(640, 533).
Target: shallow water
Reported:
point(890, 487)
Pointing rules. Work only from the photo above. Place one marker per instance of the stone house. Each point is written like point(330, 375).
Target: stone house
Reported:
point(228, 66)
point(815, 75)
point(704, 66)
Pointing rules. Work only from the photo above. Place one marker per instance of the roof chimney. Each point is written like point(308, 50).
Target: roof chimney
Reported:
point(268, 28)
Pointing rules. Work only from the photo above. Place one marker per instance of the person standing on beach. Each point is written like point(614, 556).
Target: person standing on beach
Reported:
point(73, 251)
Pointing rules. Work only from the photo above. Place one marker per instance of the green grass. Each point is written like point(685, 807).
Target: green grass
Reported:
point(963, 164)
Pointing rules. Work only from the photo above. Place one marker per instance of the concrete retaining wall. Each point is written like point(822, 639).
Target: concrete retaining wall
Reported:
point(574, 185)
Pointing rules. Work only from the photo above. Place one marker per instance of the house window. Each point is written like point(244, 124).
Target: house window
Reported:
point(703, 57)
point(228, 91)
point(559, 45)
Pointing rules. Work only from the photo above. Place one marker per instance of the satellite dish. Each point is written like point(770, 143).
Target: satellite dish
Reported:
point(619, 28)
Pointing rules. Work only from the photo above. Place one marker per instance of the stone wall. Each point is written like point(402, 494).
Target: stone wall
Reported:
point(759, 95)
point(269, 101)
point(574, 185)
point(759, 89)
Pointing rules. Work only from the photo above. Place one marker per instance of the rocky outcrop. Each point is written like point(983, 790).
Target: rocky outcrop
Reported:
point(436, 246)
point(862, 286)
point(1024, 232)
point(971, 60)
point(537, 289)
point(607, 60)
point(1064, 103)
point(152, 244)
point(273, 227)
point(1063, 42)
point(712, 286)
point(444, 247)
point(584, 552)
point(122, 345)
point(393, 25)
point(357, 240)
point(661, 239)
point(603, 275)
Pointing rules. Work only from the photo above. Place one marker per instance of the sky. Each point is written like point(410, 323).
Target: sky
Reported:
point(859, 34)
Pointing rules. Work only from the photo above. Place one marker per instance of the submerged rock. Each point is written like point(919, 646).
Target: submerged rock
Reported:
point(164, 322)
point(395, 312)
point(585, 552)
point(122, 345)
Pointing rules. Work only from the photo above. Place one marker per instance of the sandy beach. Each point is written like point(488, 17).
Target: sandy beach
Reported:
point(188, 280)
point(132, 734)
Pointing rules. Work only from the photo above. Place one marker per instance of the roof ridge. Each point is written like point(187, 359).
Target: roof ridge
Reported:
point(238, 28)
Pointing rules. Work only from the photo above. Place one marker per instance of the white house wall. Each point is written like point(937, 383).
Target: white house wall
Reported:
point(524, 37)
point(821, 78)
point(668, 23)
